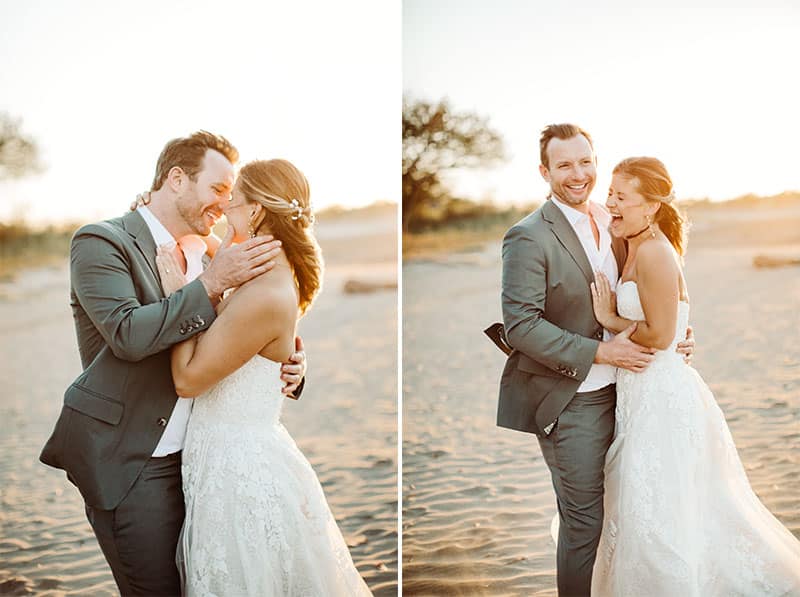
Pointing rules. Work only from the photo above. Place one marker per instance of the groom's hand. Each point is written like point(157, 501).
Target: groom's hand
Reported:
point(233, 265)
point(293, 371)
point(686, 348)
point(623, 352)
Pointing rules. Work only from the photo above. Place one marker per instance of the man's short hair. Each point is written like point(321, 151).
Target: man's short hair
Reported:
point(187, 154)
point(560, 131)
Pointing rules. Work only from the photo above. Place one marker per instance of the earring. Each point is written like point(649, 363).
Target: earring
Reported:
point(650, 226)
point(250, 230)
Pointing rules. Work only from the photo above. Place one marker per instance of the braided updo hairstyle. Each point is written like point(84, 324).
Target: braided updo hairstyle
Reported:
point(284, 193)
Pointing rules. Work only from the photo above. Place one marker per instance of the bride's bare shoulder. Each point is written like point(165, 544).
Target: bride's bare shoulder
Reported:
point(271, 294)
point(656, 257)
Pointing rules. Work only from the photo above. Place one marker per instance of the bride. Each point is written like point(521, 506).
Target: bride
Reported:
point(680, 515)
point(257, 522)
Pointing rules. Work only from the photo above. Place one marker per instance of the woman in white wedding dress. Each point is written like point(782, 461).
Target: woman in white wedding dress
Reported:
point(680, 516)
point(257, 522)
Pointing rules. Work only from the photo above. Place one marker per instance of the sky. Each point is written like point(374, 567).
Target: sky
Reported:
point(708, 87)
point(102, 86)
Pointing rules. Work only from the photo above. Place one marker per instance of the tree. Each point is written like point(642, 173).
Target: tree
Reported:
point(19, 154)
point(435, 140)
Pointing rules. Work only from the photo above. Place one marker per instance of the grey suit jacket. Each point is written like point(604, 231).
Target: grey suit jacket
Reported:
point(115, 412)
point(548, 319)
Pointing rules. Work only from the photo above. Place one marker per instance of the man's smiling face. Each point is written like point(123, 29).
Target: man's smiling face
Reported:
point(571, 169)
point(201, 202)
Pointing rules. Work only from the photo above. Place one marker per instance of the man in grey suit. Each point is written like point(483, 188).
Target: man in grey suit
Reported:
point(559, 381)
point(122, 426)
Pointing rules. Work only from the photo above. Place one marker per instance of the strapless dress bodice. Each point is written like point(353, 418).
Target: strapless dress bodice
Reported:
point(250, 395)
point(630, 307)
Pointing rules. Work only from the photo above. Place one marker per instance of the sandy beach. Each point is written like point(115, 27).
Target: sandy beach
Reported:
point(477, 499)
point(345, 422)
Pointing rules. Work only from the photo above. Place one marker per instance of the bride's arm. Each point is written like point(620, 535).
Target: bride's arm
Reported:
point(657, 275)
point(258, 315)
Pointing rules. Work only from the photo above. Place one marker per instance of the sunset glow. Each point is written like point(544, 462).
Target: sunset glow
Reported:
point(706, 87)
point(103, 86)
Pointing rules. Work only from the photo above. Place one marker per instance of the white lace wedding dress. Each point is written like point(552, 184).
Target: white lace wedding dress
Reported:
point(257, 522)
point(680, 516)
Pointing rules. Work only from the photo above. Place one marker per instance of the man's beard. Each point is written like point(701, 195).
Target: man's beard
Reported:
point(195, 221)
point(566, 198)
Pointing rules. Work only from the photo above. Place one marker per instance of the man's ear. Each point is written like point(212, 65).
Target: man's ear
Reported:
point(544, 172)
point(176, 179)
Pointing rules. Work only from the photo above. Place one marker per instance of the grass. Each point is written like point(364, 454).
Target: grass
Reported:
point(24, 247)
point(466, 227)
point(453, 239)
point(460, 226)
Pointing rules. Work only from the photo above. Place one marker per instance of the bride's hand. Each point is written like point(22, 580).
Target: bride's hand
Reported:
point(293, 371)
point(169, 270)
point(604, 300)
point(142, 199)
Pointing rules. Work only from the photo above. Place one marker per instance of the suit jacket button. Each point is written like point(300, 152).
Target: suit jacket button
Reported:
point(162, 422)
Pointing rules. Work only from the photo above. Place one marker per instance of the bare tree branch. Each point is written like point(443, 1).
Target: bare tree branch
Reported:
point(19, 153)
point(435, 140)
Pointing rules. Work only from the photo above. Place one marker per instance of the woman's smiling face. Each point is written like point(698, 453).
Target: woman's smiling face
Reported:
point(628, 208)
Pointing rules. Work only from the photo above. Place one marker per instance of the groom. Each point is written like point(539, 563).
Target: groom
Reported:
point(559, 382)
point(121, 429)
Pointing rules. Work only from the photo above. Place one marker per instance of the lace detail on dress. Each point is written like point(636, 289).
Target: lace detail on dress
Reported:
point(680, 516)
point(257, 522)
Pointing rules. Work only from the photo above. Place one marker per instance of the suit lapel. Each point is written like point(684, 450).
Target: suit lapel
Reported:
point(135, 225)
point(567, 237)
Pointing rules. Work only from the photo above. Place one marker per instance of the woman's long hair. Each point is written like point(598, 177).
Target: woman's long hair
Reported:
point(655, 185)
point(283, 192)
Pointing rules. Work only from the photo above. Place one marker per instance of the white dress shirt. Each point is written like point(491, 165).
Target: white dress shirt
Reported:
point(193, 249)
point(601, 259)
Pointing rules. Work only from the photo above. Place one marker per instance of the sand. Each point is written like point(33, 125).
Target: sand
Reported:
point(477, 499)
point(345, 422)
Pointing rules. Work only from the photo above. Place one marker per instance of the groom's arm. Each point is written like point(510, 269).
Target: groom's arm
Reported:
point(103, 283)
point(524, 295)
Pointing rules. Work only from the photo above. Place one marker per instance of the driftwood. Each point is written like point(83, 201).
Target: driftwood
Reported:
point(773, 261)
point(363, 287)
